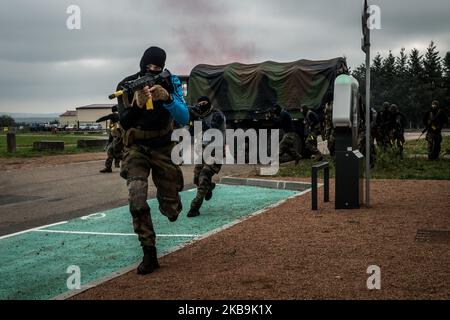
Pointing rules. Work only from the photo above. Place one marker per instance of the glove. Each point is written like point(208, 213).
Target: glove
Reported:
point(159, 93)
point(140, 98)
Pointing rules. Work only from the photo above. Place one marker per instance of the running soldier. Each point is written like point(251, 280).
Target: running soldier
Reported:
point(148, 150)
point(211, 118)
point(114, 148)
point(397, 133)
point(312, 131)
point(290, 141)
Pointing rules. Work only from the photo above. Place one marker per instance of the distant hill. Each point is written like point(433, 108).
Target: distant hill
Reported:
point(32, 117)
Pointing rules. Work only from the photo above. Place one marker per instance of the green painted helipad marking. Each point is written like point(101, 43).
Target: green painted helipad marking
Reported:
point(34, 263)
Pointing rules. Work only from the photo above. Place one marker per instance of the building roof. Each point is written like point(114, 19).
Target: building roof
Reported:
point(96, 106)
point(69, 113)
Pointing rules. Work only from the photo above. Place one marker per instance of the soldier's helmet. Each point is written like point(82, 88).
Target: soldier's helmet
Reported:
point(394, 108)
point(276, 108)
point(386, 105)
point(435, 104)
point(304, 109)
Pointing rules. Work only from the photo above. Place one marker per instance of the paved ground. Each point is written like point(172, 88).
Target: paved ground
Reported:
point(31, 197)
point(104, 243)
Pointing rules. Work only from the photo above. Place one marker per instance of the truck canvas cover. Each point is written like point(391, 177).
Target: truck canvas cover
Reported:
point(240, 89)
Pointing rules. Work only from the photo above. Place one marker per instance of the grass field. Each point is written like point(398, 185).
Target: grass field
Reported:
point(389, 166)
point(24, 144)
point(420, 147)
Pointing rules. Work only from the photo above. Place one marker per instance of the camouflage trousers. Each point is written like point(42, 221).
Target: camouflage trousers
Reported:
point(203, 174)
point(288, 146)
point(434, 140)
point(138, 162)
point(397, 143)
point(383, 139)
point(311, 143)
point(114, 152)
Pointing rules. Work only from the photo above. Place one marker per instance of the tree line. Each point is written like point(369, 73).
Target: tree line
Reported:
point(7, 121)
point(410, 80)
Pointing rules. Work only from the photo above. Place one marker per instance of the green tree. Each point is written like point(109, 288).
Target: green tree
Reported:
point(7, 121)
point(432, 73)
point(360, 74)
point(376, 80)
point(416, 100)
point(446, 80)
point(388, 79)
point(401, 88)
point(410, 81)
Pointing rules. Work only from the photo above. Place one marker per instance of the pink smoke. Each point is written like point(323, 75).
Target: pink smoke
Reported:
point(206, 34)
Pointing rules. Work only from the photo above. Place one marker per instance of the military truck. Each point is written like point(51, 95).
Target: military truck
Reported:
point(246, 92)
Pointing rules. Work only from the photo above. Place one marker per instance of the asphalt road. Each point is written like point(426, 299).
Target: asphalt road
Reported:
point(31, 198)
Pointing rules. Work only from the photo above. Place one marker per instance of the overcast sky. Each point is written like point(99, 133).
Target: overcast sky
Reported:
point(45, 67)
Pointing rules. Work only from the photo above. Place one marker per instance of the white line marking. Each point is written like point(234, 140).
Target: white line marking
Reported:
point(282, 181)
point(33, 229)
point(94, 216)
point(113, 233)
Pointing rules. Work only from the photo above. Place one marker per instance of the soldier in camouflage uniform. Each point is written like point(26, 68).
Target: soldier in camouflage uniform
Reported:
point(312, 128)
point(397, 133)
point(114, 148)
point(148, 150)
point(211, 118)
point(383, 126)
point(434, 121)
point(329, 128)
point(290, 140)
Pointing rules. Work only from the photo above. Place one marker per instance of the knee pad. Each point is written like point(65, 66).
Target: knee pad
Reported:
point(137, 194)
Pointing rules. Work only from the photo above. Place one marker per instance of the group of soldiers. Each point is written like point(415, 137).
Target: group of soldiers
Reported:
point(290, 144)
point(389, 128)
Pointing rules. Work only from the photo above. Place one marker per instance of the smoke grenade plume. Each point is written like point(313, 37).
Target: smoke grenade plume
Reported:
point(205, 33)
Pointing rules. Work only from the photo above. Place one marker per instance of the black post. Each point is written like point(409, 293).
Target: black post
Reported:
point(11, 142)
point(314, 188)
point(326, 187)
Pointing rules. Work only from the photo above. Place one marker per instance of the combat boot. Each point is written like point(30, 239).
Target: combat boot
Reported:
point(106, 170)
point(193, 213)
point(149, 262)
point(208, 195)
point(117, 164)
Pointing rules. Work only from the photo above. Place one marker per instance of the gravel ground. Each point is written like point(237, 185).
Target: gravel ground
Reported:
point(48, 161)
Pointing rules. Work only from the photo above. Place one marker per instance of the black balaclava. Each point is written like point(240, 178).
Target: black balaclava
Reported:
point(204, 108)
point(153, 55)
point(304, 110)
point(276, 109)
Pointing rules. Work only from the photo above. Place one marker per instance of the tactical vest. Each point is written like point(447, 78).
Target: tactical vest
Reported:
point(152, 127)
point(207, 123)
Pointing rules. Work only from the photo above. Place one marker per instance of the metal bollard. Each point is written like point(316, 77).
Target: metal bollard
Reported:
point(11, 142)
point(326, 180)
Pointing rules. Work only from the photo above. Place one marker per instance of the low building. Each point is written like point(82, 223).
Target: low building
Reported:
point(87, 115)
point(68, 118)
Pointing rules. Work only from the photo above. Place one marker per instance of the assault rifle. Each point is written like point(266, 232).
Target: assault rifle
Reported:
point(130, 87)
